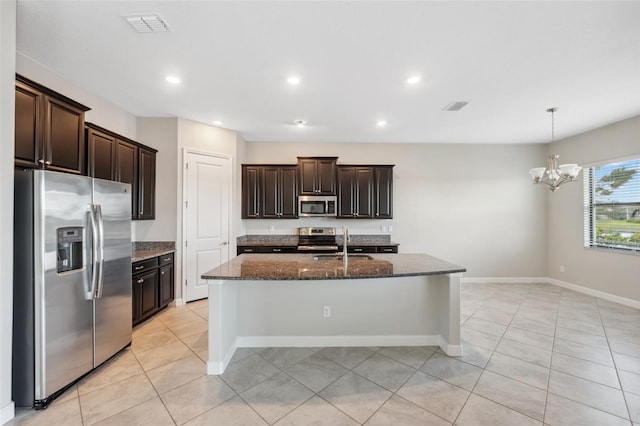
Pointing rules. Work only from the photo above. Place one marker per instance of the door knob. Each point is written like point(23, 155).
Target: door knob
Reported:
point(224, 243)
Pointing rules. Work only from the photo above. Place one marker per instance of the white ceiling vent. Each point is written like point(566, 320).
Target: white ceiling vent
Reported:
point(456, 106)
point(148, 23)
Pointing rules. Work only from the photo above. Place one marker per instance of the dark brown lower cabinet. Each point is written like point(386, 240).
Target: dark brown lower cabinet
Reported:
point(166, 286)
point(146, 289)
point(152, 286)
point(266, 249)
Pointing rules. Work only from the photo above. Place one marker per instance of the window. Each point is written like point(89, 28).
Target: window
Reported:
point(612, 206)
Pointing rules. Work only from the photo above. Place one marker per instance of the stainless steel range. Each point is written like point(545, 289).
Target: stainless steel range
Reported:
point(317, 240)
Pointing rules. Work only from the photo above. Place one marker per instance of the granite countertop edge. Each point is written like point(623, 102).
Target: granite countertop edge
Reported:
point(288, 267)
point(141, 254)
point(343, 277)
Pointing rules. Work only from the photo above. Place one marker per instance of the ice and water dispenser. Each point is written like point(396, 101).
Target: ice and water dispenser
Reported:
point(69, 243)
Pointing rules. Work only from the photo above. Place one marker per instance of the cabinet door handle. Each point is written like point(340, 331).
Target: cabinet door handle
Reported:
point(162, 273)
point(357, 249)
point(247, 250)
point(137, 268)
point(166, 259)
point(276, 250)
point(47, 163)
point(140, 281)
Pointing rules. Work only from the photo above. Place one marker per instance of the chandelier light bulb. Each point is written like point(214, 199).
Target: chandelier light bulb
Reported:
point(553, 175)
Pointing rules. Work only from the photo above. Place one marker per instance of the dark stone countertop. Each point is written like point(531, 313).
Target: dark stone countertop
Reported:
point(306, 267)
point(145, 254)
point(144, 250)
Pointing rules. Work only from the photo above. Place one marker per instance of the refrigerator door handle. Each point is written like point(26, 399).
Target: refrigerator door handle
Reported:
point(95, 243)
point(100, 282)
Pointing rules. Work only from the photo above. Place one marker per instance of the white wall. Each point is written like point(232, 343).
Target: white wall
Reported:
point(161, 134)
point(205, 138)
point(103, 113)
point(470, 204)
point(613, 273)
point(7, 108)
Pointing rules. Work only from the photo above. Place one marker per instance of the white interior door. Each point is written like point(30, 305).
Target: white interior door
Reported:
point(208, 188)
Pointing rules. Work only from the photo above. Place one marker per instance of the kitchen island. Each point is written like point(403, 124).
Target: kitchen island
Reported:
point(306, 300)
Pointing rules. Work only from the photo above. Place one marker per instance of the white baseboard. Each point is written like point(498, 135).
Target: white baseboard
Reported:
point(331, 341)
point(178, 302)
point(7, 413)
point(503, 280)
point(596, 293)
point(451, 350)
point(216, 368)
point(547, 280)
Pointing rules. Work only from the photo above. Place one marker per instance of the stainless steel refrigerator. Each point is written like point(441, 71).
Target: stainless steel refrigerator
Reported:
point(72, 280)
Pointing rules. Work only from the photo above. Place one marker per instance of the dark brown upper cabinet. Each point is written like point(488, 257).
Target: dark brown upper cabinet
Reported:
point(383, 192)
point(146, 184)
point(101, 154)
point(355, 192)
point(317, 175)
point(251, 192)
point(49, 129)
point(114, 157)
point(126, 170)
point(269, 192)
point(279, 192)
point(365, 192)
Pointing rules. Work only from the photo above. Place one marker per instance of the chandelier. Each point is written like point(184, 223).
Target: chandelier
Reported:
point(554, 175)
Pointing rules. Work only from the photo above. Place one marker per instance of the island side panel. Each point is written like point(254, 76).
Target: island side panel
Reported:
point(450, 316)
point(223, 314)
point(386, 311)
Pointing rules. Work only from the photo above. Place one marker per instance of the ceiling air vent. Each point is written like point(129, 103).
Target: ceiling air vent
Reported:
point(147, 23)
point(456, 106)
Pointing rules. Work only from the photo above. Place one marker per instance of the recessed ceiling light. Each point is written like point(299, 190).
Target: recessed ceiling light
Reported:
point(381, 123)
point(173, 79)
point(217, 123)
point(413, 79)
point(293, 80)
point(300, 123)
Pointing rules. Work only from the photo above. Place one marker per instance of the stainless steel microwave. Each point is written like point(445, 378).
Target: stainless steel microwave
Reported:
point(316, 205)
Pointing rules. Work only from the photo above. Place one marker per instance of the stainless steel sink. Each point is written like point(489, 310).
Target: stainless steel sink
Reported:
point(341, 257)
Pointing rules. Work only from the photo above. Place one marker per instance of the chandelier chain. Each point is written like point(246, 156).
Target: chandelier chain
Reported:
point(553, 127)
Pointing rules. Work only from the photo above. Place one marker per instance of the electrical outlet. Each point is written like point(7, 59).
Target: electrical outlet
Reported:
point(326, 311)
point(561, 268)
point(390, 228)
point(272, 228)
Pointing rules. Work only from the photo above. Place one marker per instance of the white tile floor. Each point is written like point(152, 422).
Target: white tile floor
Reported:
point(533, 354)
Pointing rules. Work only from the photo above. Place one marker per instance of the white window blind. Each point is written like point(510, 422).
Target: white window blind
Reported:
point(612, 206)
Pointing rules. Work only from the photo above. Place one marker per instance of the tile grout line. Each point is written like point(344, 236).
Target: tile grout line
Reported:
point(472, 392)
point(613, 359)
point(553, 345)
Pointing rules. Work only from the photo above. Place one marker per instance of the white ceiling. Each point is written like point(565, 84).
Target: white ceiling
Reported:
point(511, 60)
